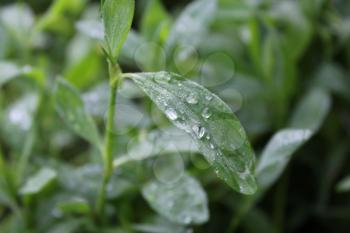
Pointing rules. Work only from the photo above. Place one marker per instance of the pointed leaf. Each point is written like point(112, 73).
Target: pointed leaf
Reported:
point(70, 106)
point(183, 202)
point(211, 123)
point(306, 120)
point(117, 17)
point(344, 185)
point(8, 71)
point(39, 181)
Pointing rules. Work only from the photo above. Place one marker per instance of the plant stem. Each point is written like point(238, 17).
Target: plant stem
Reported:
point(114, 78)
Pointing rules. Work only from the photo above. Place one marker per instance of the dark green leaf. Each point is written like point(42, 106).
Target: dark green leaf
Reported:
point(211, 123)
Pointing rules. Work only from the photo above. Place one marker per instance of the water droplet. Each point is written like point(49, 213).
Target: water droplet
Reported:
point(208, 97)
point(171, 114)
point(212, 146)
point(162, 77)
point(179, 84)
point(199, 131)
point(217, 172)
point(191, 99)
point(206, 113)
point(207, 137)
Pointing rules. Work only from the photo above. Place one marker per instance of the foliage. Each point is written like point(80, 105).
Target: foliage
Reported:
point(121, 115)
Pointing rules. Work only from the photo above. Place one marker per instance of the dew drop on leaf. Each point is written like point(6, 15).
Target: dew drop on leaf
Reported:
point(199, 131)
point(191, 99)
point(162, 77)
point(171, 114)
point(206, 113)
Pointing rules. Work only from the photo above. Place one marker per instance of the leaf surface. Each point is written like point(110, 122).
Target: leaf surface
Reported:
point(70, 107)
point(210, 122)
point(183, 202)
point(117, 17)
point(305, 122)
point(39, 181)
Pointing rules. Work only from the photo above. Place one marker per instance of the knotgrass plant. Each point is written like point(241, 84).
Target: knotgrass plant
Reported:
point(142, 151)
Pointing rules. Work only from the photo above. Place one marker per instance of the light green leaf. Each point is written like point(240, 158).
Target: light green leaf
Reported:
point(70, 106)
point(76, 205)
point(311, 111)
point(183, 202)
point(211, 123)
point(344, 185)
point(117, 17)
point(18, 20)
point(305, 122)
point(192, 25)
point(155, 22)
point(164, 141)
point(39, 181)
point(8, 71)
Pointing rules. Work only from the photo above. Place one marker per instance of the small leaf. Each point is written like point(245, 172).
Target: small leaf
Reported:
point(75, 205)
point(211, 123)
point(160, 225)
point(194, 20)
point(71, 108)
point(184, 202)
point(278, 152)
point(306, 120)
point(312, 110)
point(344, 185)
point(39, 181)
point(8, 71)
point(117, 17)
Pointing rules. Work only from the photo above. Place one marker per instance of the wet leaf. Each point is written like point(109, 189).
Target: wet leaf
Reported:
point(183, 202)
point(211, 123)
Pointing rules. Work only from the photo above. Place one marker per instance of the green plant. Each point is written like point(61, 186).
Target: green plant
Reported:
point(116, 123)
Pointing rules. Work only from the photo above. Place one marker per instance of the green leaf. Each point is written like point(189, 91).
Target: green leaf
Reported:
point(165, 141)
point(211, 123)
point(160, 225)
point(39, 181)
point(70, 107)
point(305, 122)
point(75, 205)
point(344, 185)
point(18, 20)
point(155, 22)
point(183, 202)
point(117, 17)
point(8, 71)
point(192, 25)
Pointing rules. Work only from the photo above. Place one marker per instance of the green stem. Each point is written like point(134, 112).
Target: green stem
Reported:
point(114, 78)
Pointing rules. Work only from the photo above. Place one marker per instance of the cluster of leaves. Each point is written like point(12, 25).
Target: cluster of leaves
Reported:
point(169, 121)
